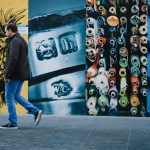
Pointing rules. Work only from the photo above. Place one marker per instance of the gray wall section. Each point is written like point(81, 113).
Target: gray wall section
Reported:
point(43, 7)
point(74, 102)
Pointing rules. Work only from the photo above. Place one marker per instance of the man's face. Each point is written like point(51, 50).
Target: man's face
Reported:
point(8, 33)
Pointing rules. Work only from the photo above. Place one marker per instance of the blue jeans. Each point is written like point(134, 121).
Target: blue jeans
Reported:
point(12, 93)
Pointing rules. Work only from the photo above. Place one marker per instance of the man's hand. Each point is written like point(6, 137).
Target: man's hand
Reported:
point(7, 80)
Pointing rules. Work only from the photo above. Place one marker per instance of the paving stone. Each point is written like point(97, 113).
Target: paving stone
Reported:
point(77, 133)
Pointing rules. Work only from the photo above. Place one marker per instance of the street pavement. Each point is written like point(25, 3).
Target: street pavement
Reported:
point(77, 133)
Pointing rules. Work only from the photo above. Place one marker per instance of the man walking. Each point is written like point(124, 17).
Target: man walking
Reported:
point(16, 72)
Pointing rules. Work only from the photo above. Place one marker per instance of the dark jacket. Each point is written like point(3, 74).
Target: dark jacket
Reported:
point(17, 65)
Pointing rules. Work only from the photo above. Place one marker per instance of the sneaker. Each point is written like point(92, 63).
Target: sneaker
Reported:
point(8, 126)
point(38, 117)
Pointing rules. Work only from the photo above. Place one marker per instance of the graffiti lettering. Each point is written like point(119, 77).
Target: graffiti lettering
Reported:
point(62, 88)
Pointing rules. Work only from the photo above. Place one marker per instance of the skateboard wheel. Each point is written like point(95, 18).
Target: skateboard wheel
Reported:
point(135, 40)
point(122, 72)
point(92, 81)
point(144, 8)
point(143, 30)
point(144, 91)
point(143, 18)
point(113, 111)
point(112, 51)
point(102, 63)
point(97, 3)
point(122, 92)
point(112, 10)
point(144, 71)
point(142, 111)
point(135, 71)
point(92, 91)
point(103, 91)
point(90, 42)
point(113, 92)
point(134, 90)
point(101, 50)
point(134, 111)
point(112, 2)
point(90, 21)
point(123, 101)
point(101, 31)
point(134, 100)
point(134, 9)
point(123, 52)
point(144, 81)
point(113, 103)
point(143, 50)
point(123, 62)
point(91, 102)
point(113, 21)
point(93, 112)
point(101, 8)
point(46, 49)
point(103, 109)
point(144, 1)
point(123, 30)
point(101, 20)
point(103, 101)
point(112, 81)
point(143, 39)
point(135, 81)
point(135, 20)
point(90, 32)
point(101, 82)
point(121, 40)
point(91, 54)
point(101, 41)
point(134, 49)
point(90, 9)
point(134, 30)
point(135, 61)
point(123, 9)
point(113, 61)
point(112, 29)
point(123, 84)
point(112, 72)
point(112, 41)
point(92, 71)
point(144, 60)
point(123, 20)
point(90, 2)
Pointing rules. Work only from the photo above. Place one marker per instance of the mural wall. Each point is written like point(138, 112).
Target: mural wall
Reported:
point(57, 56)
point(87, 57)
point(116, 47)
point(15, 11)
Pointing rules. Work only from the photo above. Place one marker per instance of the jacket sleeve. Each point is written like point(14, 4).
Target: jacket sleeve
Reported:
point(12, 58)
